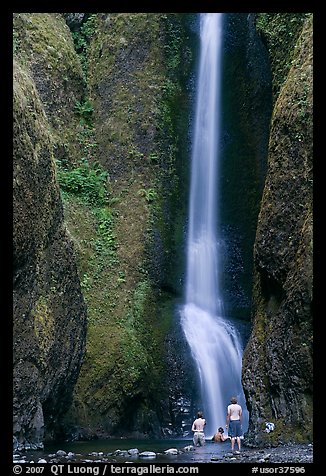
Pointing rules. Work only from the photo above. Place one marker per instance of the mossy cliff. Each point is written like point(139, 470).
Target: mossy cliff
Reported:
point(42, 42)
point(244, 143)
point(49, 311)
point(114, 94)
point(137, 65)
point(105, 108)
point(277, 367)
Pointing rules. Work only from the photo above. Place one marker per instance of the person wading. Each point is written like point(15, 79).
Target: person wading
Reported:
point(219, 436)
point(234, 423)
point(198, 429)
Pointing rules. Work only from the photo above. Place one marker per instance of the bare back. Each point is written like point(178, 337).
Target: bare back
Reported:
point(235, 411)
point(198, 424)
point(218, 437)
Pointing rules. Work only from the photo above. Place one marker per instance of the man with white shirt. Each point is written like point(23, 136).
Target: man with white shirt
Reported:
point(234, 422)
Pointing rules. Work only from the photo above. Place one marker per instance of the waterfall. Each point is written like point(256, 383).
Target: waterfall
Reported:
point(214, 342)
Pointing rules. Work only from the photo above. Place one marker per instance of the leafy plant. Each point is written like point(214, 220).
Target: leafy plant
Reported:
point(87, 181)
point(82, 37)
point(122, 277)
point(150, 194)
point(84, 109)
point(16, 42)
point(105, 226)
point(88, 28)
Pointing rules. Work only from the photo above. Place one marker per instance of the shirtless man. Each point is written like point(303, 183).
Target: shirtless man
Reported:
point(234, 422)
point(219, 436)
point(198, 429)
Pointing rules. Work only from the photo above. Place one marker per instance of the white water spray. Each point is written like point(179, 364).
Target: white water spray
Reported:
point(213, 341)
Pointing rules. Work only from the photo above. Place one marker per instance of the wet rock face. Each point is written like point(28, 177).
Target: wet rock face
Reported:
point(75, 20)
point(49, 311)
point(44, 42)
point(245, 119)
point(277, 370)
point(182, 382)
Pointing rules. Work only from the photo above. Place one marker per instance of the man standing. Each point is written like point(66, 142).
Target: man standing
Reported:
point(198, 429)
point(234, 422)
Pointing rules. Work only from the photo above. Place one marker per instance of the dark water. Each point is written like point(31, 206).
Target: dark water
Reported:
point(83, 450)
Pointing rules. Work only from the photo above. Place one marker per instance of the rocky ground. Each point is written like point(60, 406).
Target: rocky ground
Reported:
point(281, 454)
point(211, 453)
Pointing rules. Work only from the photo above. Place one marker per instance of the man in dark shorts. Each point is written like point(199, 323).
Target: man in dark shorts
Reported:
point(234, 423)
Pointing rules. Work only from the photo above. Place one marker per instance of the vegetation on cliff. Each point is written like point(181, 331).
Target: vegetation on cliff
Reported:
point(111, 90)
point(127, 239)
point(280, 32)
point(43, 43)
point(102, 109)
point(49, 311)
point(277, 370)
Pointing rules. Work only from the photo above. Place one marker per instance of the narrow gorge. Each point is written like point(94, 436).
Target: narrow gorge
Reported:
point(104, 112)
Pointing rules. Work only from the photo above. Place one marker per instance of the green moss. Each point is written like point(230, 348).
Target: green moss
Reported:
point(295, 99)
point(120, 362)
point(46, 36)
point(87, 181)
point(82, 38)
point(125, 335)
point(280, 32)
point(45, 47)
point(135, 92)
point(283, 278)
point(44, 327)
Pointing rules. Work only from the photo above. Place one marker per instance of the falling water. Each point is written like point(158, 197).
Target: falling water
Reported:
point(214, 342)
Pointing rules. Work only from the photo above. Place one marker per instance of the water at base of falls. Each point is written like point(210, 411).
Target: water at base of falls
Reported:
point(216, 349)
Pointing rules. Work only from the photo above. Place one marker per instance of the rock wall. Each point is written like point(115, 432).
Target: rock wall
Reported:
point(49, 310)
point(114, 95)
point(121, 104)
point(245, 119)
point(137, 65)
point(277, 367)
point(43, 43)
